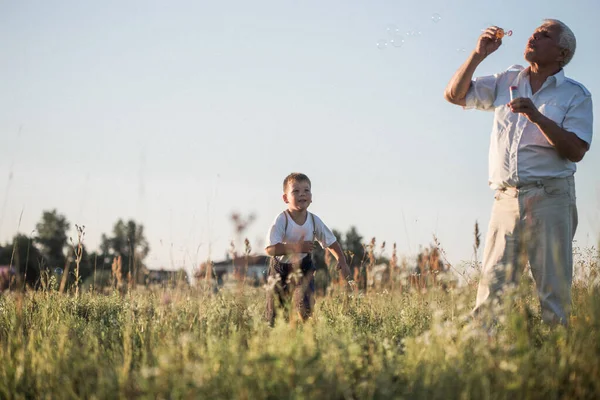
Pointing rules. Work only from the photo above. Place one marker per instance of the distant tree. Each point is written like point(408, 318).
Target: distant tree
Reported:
point(355, 248)
point(96, 261)
point(5, 254)
point(354, 245)
point(52, 238)
point(129, 242)
point(25, 258)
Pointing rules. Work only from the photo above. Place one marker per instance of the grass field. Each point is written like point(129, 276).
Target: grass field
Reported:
point(193, 343)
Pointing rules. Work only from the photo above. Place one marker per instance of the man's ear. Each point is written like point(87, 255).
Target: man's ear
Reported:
point(285, 199)
point(564, 53)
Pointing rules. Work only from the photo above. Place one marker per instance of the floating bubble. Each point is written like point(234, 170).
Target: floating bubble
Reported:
point(509, 33)
point(396, 37)
point(410, 35)
point(461, 50)
point(397, 41)
point(392, 30)
point(382, 44)
point(58, 271)
point(436, 17)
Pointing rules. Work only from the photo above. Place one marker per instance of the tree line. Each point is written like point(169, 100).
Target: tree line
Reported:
point(49, 252)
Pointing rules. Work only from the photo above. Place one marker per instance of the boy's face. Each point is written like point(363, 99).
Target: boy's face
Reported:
point(297, 195)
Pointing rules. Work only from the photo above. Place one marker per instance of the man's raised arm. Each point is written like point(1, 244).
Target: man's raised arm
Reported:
point(456, 91)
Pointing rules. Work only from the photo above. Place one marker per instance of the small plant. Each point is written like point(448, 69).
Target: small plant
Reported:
point(78, 253)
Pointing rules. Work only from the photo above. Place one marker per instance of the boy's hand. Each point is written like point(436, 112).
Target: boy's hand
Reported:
point(345, 271)
point(307, 246)
point(303, 247)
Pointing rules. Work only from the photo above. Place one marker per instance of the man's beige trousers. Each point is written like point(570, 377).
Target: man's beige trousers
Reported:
point(534, 223)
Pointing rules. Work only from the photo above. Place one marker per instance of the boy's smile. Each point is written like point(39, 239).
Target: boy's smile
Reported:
point(298, 196)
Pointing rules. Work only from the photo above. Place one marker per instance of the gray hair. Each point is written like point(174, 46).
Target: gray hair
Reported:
point(566, 40)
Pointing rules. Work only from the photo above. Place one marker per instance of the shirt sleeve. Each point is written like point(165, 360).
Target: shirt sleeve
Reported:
point(324, 235)
point(482, 93)
point(276, 232)
point(580, 118)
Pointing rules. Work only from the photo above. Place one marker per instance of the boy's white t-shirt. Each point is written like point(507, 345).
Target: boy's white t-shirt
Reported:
point(296, 233)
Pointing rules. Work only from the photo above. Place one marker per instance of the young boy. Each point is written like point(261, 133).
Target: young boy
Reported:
point(290, 242)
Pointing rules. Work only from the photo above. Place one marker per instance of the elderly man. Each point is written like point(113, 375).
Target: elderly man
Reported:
point(537, 138)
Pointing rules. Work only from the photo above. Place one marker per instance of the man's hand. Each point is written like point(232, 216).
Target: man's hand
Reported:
point(524, 105)
point(488, 42)
point(567, 144)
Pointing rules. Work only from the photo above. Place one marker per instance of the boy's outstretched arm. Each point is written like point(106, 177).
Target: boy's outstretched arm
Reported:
point(281, 249)
point(338, 253)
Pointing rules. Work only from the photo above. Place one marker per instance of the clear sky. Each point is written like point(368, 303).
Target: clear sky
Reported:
point(177, 114)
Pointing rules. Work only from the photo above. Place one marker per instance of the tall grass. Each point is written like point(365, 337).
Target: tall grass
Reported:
point(192, 343)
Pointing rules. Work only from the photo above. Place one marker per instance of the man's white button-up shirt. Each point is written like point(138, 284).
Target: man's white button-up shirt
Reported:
point(519, 152)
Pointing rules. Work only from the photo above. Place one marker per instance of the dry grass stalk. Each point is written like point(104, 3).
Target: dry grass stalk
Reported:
point(78, 252)
point(117, 276)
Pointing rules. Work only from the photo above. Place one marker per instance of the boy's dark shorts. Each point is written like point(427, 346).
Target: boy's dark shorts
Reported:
point(288, 288)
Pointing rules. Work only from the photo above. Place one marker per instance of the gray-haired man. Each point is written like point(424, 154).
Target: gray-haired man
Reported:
point(536, 140)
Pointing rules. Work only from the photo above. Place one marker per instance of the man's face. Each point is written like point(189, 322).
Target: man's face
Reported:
point(298, 195)
point(543, 46)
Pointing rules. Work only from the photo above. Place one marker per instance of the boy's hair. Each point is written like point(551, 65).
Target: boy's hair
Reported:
point(295, 177)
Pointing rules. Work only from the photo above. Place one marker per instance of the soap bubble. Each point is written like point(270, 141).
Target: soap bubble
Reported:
point(413, 34)
point(397, 41)
point(436, 17)
point(396, 37)
point(392, 30)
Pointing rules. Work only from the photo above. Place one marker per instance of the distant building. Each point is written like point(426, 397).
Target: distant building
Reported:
point(253, 268)
point(165, 277)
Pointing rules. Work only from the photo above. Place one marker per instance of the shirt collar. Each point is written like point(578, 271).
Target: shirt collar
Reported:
point(558, 77)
